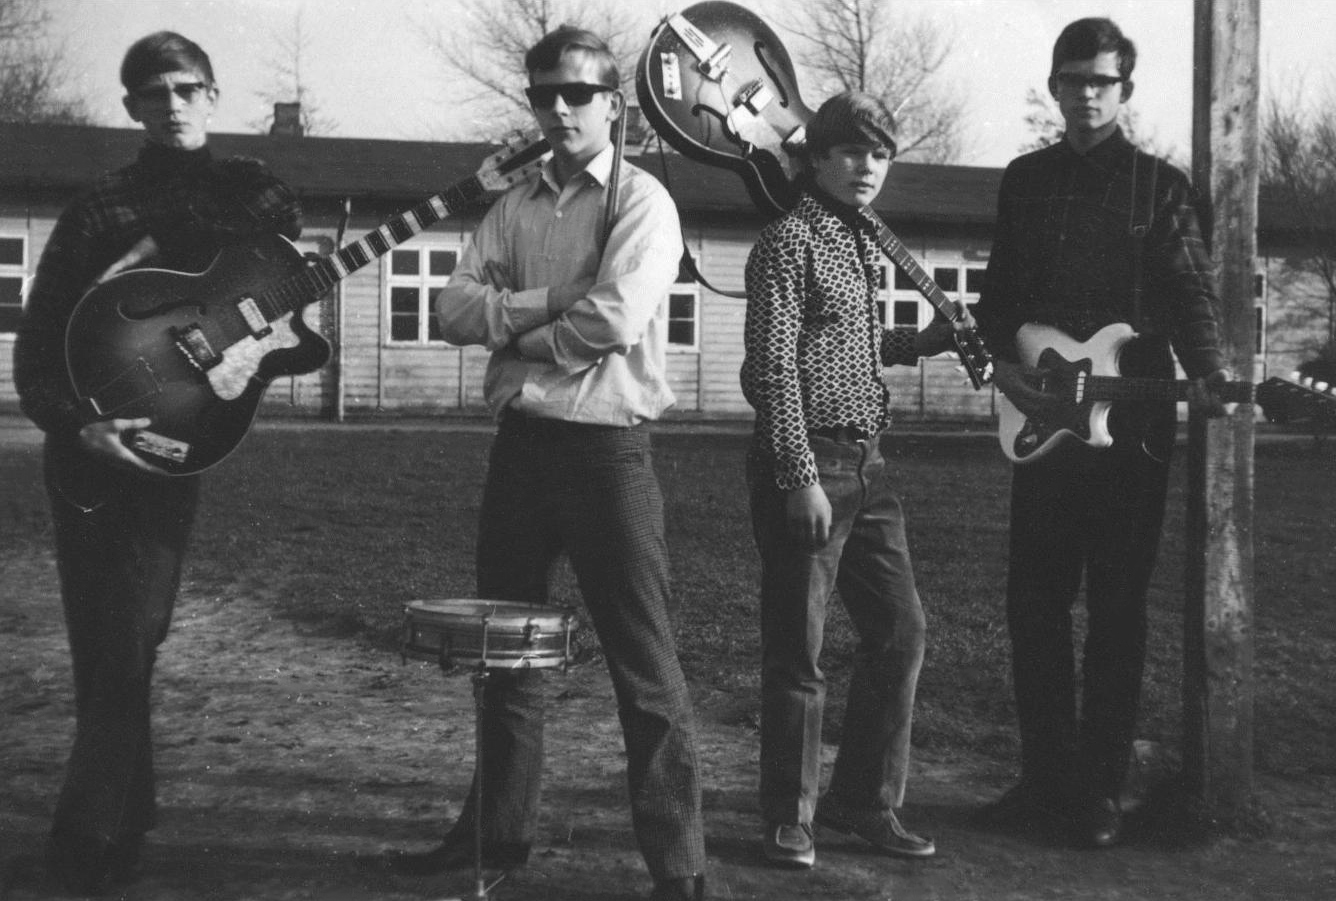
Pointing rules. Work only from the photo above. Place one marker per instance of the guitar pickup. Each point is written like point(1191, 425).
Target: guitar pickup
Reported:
point(255, 321)
point(195, 347)
point(715, 66)
point(755, 96)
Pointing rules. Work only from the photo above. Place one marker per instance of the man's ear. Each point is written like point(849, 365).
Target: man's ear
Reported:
point(1127, 91)
point(616, 105)
point(1053, 87)
point(130, 107)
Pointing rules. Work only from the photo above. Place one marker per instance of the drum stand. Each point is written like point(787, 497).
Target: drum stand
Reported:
point(481, 890)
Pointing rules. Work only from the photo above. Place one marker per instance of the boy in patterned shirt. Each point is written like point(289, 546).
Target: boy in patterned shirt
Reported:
point(823, 512)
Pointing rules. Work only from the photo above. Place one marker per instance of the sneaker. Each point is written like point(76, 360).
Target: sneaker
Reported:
point(790, 844)
point(879, 828)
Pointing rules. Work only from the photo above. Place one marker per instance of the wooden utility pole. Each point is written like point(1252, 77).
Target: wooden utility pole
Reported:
point(1218, 643)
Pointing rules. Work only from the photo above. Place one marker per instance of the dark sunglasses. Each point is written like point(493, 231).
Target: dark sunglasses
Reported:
point(574, 93)
point(1071, 81)
point(189, 91)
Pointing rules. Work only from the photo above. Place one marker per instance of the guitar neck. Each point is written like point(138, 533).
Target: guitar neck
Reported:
point(314, 281)
point(1101, 388)
point(894, 248)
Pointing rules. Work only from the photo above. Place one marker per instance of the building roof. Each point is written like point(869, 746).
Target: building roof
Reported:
point(66, 158)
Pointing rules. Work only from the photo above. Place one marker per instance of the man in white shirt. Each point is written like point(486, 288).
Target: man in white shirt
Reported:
point(576, 373)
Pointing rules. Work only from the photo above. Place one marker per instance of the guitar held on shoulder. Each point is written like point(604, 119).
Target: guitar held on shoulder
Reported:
point(719, 87)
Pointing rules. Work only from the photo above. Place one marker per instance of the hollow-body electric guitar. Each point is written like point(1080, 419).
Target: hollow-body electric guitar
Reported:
point(1084, 378)
point(194, 353)
point(719, 87)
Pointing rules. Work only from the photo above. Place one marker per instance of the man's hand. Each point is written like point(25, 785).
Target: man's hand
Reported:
point(496, 275)
point(1204, 395)
point(1022, 386)
point(561, 298)
point(938, 336)
point(808, 513)
point(104, 438)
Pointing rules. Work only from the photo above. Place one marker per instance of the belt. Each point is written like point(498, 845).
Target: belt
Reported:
point(847, 434)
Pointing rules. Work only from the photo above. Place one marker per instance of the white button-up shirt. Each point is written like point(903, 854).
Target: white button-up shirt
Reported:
point(601, 361)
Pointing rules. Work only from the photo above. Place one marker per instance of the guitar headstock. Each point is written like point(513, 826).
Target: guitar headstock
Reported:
point(521, 155)
point(974, 357)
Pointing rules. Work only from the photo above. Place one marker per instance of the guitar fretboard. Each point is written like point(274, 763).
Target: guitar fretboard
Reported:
point(894, 248)
point(1100, 388)
point(312, 282)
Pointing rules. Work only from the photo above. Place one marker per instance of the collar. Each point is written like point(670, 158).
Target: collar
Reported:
point(828, 215)
point(598, 170)
point(159, 160)
point(1107, 152)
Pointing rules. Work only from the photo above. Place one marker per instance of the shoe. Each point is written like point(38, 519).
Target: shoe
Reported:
point(455, 853)
point(88, 864)
point(1026, 805)
point(879, 828)
point(689, 888)
point(1101, 823)
point(790, 844)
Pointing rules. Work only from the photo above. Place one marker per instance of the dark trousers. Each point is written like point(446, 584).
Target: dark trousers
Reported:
point(120, 540)
point(1092, 514)
point(590, 492)
point(867, 558)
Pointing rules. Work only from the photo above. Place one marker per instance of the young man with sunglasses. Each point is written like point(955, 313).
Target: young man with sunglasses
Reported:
point(121, 525)
point(1091, 232)
point(577, 371)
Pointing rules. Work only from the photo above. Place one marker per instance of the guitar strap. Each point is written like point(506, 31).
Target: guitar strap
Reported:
point(1138, 231)
point(688, 261)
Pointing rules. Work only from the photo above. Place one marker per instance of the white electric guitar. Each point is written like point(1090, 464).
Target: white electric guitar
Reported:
point(1084, 376)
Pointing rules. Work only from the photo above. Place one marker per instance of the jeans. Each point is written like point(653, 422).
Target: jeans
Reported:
point(867, 559)
point(1095, 514)
point(120, 542)
point(591, 492)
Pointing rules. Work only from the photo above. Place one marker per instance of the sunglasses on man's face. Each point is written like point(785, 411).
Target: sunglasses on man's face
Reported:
point(189, 91)
point(1071, 81)
point(574, 93)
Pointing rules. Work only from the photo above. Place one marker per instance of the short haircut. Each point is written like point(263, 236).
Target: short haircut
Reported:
point(546, 54)
point(1087, 38)
point(850, 117)
point(163, 51)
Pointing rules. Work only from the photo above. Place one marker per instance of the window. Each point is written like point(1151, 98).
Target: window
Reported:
point(415, 276)
point(907, 306)
point(13, 273)
point(681, 313)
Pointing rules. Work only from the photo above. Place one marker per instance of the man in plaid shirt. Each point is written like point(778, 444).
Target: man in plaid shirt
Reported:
point(120, 524)
point(1065, 255)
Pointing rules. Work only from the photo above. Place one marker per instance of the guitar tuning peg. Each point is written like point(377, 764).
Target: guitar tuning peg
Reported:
point(1320, 386)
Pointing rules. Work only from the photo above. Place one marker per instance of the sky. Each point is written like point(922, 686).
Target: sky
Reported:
point(372, 73)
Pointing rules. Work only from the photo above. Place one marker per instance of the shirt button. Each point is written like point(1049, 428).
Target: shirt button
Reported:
point(559, 214)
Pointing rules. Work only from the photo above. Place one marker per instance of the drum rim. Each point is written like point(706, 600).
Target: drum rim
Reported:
point(496, 610)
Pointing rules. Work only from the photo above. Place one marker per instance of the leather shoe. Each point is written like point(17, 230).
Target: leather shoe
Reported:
point(1101, 823)
point(880, 828)
point(455, 853)
point(789, 845)
point(690, 888)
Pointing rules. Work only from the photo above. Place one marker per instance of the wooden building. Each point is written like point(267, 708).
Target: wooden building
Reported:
point(389, 356)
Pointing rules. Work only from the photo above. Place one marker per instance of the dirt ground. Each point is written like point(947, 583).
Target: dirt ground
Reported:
point(289, 758)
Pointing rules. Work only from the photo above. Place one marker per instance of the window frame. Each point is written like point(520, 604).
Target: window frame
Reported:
point(685, 285)
point(17, 271)
point(426, 284)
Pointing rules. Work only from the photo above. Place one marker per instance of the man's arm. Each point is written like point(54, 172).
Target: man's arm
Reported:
point(638, 267)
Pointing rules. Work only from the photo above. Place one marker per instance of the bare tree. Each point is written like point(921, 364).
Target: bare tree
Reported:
point(1298, 174)
point(290, 84)
point(486, 46)
point(858, 45)
point(32, 69)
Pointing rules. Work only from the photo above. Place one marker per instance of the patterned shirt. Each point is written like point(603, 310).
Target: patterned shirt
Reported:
point(190, 204)
point(815, 345)
point(1063, 252)
point(603, 361)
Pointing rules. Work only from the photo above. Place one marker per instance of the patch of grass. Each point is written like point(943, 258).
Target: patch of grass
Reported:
point(343, 526)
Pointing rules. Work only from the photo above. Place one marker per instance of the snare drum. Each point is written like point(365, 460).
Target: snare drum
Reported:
point(493, 634)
